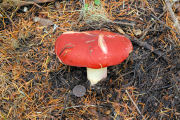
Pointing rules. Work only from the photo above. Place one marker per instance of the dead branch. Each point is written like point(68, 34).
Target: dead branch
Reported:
point(147, 46)
point(175, 20)
point(19, 3)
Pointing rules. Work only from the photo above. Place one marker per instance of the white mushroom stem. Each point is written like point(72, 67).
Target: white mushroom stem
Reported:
point(95, 75)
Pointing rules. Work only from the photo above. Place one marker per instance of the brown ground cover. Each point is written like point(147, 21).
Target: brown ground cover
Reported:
point(35, 85)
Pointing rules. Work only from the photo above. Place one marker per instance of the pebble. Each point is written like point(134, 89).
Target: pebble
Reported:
point(79, 90)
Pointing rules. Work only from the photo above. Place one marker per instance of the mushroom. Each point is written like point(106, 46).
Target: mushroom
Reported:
point(95, 50)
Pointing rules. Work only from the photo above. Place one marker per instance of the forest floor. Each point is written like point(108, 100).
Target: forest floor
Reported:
point(35, 85)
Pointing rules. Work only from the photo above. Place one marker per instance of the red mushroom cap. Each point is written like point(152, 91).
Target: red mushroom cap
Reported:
point(92, 49)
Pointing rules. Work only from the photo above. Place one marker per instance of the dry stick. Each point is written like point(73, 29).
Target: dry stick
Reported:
point(163, 23)
point(42, 1)
point(22, 3)
point(145, 44)
point(175, 20)
point(26, 2)
point(78, 106)
point(65, 105)
point(135, 105)
point(35, 2)
point(123, 23)
point(147, 29)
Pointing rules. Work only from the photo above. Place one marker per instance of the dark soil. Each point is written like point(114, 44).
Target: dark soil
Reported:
point(35, 85)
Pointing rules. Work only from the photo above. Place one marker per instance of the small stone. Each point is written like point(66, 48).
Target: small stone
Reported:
point(25, 9)
point(43, 21)
point(79, 90)
point(107, 112)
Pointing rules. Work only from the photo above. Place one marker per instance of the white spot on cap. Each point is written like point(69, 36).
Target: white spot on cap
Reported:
point(102, 44)
point(72, 32)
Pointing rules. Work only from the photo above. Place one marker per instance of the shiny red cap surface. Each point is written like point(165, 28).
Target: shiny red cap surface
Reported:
point(92, 49)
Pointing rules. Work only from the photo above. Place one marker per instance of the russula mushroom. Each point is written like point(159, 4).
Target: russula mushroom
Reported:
point(95, 50)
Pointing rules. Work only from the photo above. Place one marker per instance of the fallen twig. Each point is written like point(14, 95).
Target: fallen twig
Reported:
point(135, 105)
point(20, 3)
point(148, 27)
point(175, 20)
point(147, 46)
point(123, 23)
point(78, 106)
